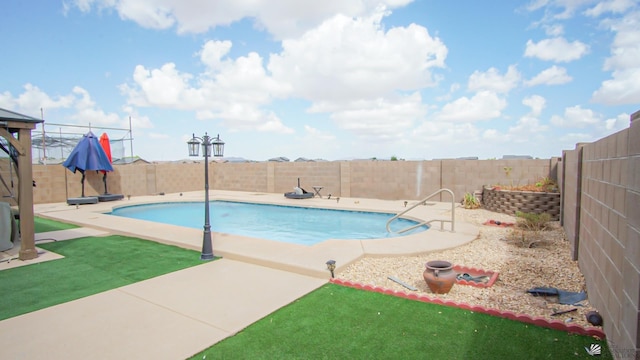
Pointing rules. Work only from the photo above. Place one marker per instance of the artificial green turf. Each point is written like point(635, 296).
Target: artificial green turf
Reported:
point(46, 225)
point(91, 265)
point(336, 322)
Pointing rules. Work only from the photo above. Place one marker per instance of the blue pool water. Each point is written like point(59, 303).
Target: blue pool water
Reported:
point(291, 224)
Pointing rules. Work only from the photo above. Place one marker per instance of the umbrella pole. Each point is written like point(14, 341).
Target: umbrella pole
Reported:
point(82, 181)
point(104, 180)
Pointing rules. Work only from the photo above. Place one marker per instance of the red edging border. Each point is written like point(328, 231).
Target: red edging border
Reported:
point(539, 321)
point(493, 276)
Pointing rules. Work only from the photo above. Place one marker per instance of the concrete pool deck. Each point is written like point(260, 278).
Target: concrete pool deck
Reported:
point(179, 314)
point(302, 259)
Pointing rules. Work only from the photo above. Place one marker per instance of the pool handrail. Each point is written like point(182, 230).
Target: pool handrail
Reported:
point(423, 202)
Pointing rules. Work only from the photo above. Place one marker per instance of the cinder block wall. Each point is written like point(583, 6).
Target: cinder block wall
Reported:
point(571, 190)
point(394, 180)
point(603, 222)
point(325, 174)
point(389, 180)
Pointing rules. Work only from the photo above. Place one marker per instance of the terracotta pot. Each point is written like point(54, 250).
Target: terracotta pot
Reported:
point(439, 276)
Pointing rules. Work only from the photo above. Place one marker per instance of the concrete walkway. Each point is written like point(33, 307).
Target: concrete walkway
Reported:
point(182, 313)
point(168, 317)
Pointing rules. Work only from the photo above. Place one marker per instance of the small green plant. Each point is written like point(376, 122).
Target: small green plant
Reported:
point(547, 184)
point(533, 221)
point(507, 171)
point(470, 201)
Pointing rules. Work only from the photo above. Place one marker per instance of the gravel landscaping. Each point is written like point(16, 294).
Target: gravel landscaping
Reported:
point(542, 259)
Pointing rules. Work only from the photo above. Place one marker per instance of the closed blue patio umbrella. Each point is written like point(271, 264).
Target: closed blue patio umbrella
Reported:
point(88, 155)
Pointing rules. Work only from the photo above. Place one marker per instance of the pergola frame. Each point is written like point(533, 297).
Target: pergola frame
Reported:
point(16, 129)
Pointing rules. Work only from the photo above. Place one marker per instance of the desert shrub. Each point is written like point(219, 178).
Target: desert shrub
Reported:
point(533, 221)
point(526, 239)
point(529, 230)
point(470, 201)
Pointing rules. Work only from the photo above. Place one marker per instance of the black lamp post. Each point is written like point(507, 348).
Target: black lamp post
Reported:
point(331, 266)
point(218, 150)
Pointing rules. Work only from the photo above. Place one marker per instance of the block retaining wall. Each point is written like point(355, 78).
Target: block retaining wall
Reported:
point(509, 202)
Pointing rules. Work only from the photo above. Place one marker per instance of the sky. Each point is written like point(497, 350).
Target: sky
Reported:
point(332, 79)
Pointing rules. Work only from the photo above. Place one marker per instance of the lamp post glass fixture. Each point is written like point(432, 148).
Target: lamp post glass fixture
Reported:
point(207, 143)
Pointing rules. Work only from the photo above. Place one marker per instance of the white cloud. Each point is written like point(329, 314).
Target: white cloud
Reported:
point(88, 113)
point(379, 117)
point(438, 135)
point(622, 121)
point(597, 127)
point(555, 75)
point(623, 88)
point(536, 4)
point(138, 121)
point(33, 99)
point(492, 135)
point(213, 52)
point(482, 106)
point(624, 62)
point(226, 78)
point(492, 80)
point(536, 103)
point(625, 48)
point(556, 49)
point(576, 117)
point(527, 129)
point(239, 117)
point(612, 6)
point(316, 134)
point(567, 8)
point(281, 18)
point(570, 140)
point(570, 7)
point(232, 90)
point(365, 77)
point(364, 61)
point(164, 87)
point(77, 107)
point(554, 30)
point(273, 124)
point(148, 14)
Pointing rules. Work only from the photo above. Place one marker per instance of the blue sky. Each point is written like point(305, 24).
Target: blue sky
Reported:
point(333, 79)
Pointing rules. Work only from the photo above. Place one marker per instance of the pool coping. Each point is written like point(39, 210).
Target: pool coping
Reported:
point(302, 259)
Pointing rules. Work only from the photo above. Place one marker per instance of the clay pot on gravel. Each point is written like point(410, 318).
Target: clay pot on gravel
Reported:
point(439, 276)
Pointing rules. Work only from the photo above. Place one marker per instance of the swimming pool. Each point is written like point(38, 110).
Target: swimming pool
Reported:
point(292, 224)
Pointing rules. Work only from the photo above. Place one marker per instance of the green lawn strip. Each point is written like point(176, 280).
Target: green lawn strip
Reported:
point(46, 225)
point(91, 265)
point(336, 322)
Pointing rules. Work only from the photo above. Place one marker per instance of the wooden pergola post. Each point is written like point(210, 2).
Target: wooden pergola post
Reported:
point(14, 123)
point(25, 198)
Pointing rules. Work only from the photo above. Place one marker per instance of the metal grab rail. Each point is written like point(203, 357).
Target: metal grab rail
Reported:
point(423, 201)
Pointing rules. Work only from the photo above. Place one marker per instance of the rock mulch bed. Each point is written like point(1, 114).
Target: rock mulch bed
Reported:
point(521, 266)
